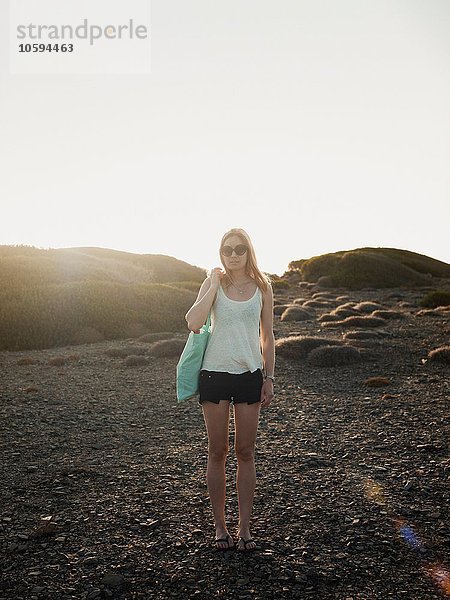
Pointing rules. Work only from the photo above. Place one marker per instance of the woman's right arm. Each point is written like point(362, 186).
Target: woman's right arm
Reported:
point(198, 313)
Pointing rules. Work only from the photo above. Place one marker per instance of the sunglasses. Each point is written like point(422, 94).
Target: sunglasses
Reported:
point(240, 250)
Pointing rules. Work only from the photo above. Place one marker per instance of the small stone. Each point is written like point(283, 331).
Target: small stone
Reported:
point(38, 589)
point(113, 579)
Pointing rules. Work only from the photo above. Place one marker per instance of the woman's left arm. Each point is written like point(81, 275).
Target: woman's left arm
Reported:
point(268, 346)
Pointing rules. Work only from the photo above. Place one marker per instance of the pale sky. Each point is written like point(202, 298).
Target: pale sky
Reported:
point(317, 126)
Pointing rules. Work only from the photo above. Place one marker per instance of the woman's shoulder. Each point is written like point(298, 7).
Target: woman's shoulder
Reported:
point(267, 294)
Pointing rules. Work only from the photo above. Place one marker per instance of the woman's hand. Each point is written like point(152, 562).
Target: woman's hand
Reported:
point(216, 275)
point(267, 394)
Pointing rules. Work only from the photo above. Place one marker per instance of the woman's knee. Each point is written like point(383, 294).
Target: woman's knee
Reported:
point(245, 453)
point(217, 453)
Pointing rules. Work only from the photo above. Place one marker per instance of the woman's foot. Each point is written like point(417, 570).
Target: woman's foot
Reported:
point(223, 540)
point(245, 540)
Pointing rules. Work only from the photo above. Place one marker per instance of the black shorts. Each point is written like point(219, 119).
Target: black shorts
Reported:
point(243, 387)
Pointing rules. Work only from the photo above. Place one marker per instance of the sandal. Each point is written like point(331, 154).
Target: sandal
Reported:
point(226, 539)
point(245, 549)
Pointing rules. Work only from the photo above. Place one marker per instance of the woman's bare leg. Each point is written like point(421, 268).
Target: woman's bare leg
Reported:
point(246, 417)
point(217, 418)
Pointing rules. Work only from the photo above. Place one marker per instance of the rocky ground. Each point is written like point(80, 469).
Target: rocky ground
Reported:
point(103, 490)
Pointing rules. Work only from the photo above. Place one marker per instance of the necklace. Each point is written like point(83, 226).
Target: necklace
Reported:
point(238, 288)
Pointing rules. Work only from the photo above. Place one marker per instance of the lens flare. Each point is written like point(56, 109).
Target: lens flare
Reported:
point(374, 492)
point(410, 537)
point(440, 576)
point(437, 571)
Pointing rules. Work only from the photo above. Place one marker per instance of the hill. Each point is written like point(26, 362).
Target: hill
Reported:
point(28, 266)
point(371, 267)
point(65, 296)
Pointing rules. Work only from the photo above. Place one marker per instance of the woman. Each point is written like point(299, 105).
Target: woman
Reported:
point(240, 299)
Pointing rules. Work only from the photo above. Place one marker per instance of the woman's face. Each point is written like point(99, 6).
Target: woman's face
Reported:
point(234, 262)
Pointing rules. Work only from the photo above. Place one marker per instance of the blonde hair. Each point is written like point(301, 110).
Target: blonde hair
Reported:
point(252, 269)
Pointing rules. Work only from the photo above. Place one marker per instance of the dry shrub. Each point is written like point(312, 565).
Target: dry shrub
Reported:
point(155, 337)
point(343, 313)
point(436, 298)
point(27, 360)
point(57, 361)
point(377, 381)
point(167, 348)
point(123, 352)
point(295, 313)
point(316, 304)
point(357, 322)
point(361, 335)
point(388, 314)
point(367, 307)
point(74, 357)
point(30, 388)
point(333, 356)
point(280, 308)
point(427, 313)
point(329, 317)
point(367, 354)
point(346, 305)
point(135, 361)
point(299, 346)
point(441, 354)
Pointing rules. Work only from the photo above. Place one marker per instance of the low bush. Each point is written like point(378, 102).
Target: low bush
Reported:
point(361, 335)
point(435, 299)
point(316, 304)
point(135, 361)
point(167, 348)
point(441, 354)
point(357, 322)
point(388, 314)
point(329, 317)
point(367, 307)
point(342, 313)
point(323, 295)
point(27, 360)
point(280, 308)
point(295, 313)
point(298, 347)
point(57, 361)
point(333, 356)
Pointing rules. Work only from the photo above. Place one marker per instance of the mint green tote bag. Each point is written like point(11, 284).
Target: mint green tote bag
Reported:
point(190, 363)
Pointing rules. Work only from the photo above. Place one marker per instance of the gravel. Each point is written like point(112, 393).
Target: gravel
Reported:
point(103, 491)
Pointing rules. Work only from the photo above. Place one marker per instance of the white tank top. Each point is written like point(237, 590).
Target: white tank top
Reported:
point(234, 345)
